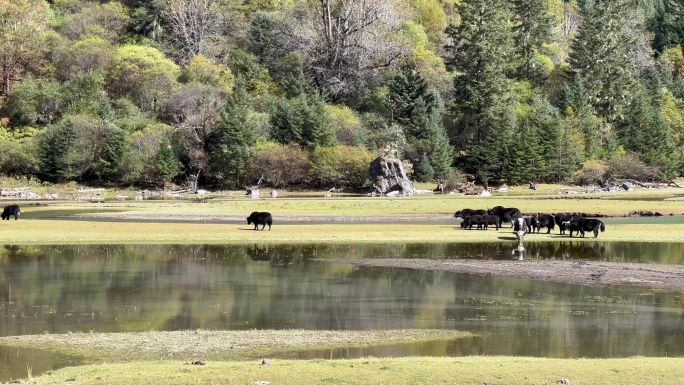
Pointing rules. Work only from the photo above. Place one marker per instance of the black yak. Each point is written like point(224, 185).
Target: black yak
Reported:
point(11, 210)
point(260, 218)
point(585, 224)
point(543, 221)
point(506, 214)
point(467, 212)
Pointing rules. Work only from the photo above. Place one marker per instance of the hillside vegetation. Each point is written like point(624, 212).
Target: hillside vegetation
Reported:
point(222, 93)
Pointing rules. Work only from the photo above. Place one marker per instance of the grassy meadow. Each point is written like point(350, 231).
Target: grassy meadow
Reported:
point(336, 219)
point(409, 370)
point(160, 357)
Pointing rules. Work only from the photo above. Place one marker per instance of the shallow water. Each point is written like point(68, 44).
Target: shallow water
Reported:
point(56, 289)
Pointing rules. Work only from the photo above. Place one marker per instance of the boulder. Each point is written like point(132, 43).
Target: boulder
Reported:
point(387, 175)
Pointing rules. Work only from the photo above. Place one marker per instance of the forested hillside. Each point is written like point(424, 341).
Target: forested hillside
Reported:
point(308, 92)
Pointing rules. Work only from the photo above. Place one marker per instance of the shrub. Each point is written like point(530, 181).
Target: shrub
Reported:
point(281, 165)
point(592, 172)
point(629, 166)
point(341, 166)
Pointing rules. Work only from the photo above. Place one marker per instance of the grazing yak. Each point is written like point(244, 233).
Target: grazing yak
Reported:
point(467, 212)
point(472, 220)
point(260, 218)
point(9, 211)
point(506, 214)
point(581, 225)
point(491, 220)
point(561, 219)
point(540, 221)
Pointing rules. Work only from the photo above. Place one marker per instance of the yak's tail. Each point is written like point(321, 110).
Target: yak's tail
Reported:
point(603, 227)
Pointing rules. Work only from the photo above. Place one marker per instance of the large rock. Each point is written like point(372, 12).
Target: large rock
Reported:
point(388, 176)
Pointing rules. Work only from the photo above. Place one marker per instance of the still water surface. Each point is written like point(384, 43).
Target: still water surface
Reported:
point(57, 289)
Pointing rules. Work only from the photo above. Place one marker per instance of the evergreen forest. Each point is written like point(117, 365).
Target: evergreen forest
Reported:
point(306, 93)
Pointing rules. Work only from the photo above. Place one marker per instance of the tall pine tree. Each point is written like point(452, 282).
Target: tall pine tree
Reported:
point(481, 56)
point(418, 111)
point(232, 142)
point(601, 56)
point(533, 29)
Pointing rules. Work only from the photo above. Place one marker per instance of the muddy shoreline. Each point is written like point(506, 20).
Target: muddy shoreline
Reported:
point(661, 277)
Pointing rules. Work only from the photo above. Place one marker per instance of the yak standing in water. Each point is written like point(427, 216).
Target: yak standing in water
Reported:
point(520, 228)
point(260, 218)
point(11, 210)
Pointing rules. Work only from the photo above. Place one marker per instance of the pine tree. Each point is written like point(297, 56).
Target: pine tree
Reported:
point(645, 132)
point(302, 120)
point(601, 56)
point(482, 57)
point(418, 111)
point(113, 152)
point(232, 142)
point(53, 152)
point(545, 123)
point(165, 163)
point(284, 126)
point(667, 25)
point(534, 25)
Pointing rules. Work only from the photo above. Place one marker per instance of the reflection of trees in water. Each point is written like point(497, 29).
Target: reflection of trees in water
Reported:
point(143, 287)
point(559, 320)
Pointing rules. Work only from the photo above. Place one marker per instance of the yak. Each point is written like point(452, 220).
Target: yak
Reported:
point(581, 225)
point(11, 210)
point(260, 218)
point(471, 220)
point(543, 221)
point(467, 212)
point(561, 219)
point(506, 214)
point(520, 228)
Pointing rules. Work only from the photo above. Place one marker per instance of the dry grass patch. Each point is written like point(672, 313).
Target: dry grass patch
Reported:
point(207, 344)
point(414, 370)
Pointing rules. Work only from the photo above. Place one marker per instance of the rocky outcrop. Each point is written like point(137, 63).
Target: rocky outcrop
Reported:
point(388, 176)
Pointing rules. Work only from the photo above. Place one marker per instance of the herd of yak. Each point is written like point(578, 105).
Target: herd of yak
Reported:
point(480, 219)
point(523, 224)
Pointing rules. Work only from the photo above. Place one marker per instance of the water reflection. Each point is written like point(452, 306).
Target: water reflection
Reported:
point(56, 289)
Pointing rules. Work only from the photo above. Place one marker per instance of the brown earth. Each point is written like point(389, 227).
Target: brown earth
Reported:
point(662, 277)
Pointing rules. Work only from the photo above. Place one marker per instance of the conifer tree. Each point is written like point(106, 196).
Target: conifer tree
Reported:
point(481, 56)
point(233, 140)
point(302, 120)
point(601, 56)
point(53, 151)
point(534, 25)
point(165, 163)
point(418, 111)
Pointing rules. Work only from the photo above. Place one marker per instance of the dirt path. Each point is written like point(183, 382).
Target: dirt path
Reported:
point(664, 277)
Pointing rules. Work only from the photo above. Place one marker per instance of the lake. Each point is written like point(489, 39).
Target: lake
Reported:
point(103, 288)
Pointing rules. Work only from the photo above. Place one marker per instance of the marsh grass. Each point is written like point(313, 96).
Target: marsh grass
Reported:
point(413, 370)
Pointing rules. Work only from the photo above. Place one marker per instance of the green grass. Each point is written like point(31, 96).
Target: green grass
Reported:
point(412, 370)
point(44, 232)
